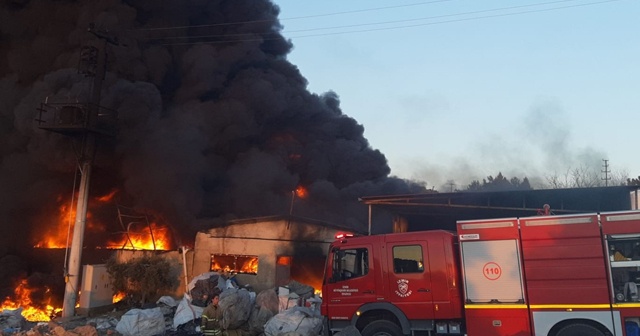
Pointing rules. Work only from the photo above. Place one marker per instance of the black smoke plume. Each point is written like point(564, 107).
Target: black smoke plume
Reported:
point(214, 122)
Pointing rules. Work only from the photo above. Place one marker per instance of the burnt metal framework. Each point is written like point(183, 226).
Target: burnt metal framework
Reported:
point(77, 118)
point(133, 218)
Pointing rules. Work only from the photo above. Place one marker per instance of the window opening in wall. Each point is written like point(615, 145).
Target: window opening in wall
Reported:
point(284, 260)
point(242, 264)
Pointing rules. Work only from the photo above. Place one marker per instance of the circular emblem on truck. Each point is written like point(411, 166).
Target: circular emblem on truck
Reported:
point(492, 271)
point(403, 288)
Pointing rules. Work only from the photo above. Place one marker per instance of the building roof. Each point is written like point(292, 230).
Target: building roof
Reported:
point(293, 218)
point(442, 210)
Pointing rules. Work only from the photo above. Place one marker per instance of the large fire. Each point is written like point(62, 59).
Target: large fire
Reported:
point(30, 311)
point(143, 237)
point(58, 234)
point(42, 312)
point(243, 264)
point(139, 235)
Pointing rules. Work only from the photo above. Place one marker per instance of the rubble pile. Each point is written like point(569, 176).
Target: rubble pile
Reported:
point(292, 310)
point(75, 326)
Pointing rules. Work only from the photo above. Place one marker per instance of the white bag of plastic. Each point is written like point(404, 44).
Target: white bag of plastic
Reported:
point(186, 312)
point(300, 320)
point(141, 322)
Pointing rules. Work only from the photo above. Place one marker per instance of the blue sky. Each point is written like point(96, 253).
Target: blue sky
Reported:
point(528, 94)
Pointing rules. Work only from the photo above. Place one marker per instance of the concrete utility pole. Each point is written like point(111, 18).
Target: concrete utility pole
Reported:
point(73, 275)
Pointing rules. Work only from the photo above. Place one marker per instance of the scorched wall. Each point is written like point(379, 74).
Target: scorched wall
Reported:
point(286, 249)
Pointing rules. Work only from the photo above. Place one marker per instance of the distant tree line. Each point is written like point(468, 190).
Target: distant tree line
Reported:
point(633, 181)
point(581, 177)
point(499, 183)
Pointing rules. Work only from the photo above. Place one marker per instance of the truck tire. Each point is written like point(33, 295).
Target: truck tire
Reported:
point(579, 329)
point(382, 328)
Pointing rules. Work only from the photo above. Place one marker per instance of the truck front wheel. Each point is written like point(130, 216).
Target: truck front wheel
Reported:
point(579, 329)
point(382, 328)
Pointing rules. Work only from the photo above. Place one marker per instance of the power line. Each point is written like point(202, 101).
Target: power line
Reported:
point(373, 23)
point(436, 16)
point(464, 19)
point(298, 17)
point(367, 10)
point(387, 28)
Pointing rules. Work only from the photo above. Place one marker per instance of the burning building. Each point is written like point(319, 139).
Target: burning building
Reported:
point(267, 252)
point(214, 124)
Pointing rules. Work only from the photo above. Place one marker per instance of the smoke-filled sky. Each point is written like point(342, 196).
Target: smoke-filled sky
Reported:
point(462, 89)
point(215, 122)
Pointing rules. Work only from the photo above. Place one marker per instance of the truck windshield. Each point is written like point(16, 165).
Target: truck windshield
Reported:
point(350, 263)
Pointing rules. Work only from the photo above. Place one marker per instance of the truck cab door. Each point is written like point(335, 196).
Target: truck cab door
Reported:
point(351, 280)
point(409, 278)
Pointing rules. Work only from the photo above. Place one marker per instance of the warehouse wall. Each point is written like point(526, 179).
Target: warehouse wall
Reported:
point(307, 243)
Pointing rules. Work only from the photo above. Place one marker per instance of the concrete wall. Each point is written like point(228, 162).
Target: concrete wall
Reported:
point(266, 239)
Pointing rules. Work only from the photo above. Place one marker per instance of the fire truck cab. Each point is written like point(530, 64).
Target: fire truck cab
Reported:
point(393, 283)
point(570, 275)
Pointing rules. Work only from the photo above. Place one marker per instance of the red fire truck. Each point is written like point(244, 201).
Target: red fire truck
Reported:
point(563, 275)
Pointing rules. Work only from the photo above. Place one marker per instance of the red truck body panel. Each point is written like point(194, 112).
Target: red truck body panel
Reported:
point(494, 291)
point(564, 260)
point(483, 322)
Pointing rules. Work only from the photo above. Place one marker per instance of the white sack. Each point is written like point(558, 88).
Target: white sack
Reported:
point(186, 312)
point(298, 320)
point(141, 322)
point(167, 300)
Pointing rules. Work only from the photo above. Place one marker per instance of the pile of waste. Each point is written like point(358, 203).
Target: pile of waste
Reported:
point(293, 309)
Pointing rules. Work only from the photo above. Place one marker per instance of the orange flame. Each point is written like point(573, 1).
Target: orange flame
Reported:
point(143, 237)
point(216, 267)
point(249, 266)
point(29, 311)
point(309, 271)
point(117, 297)
point(55, 235)
point(108, 197)
point(302, 192)
point(234, 263)
point(140, 237)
